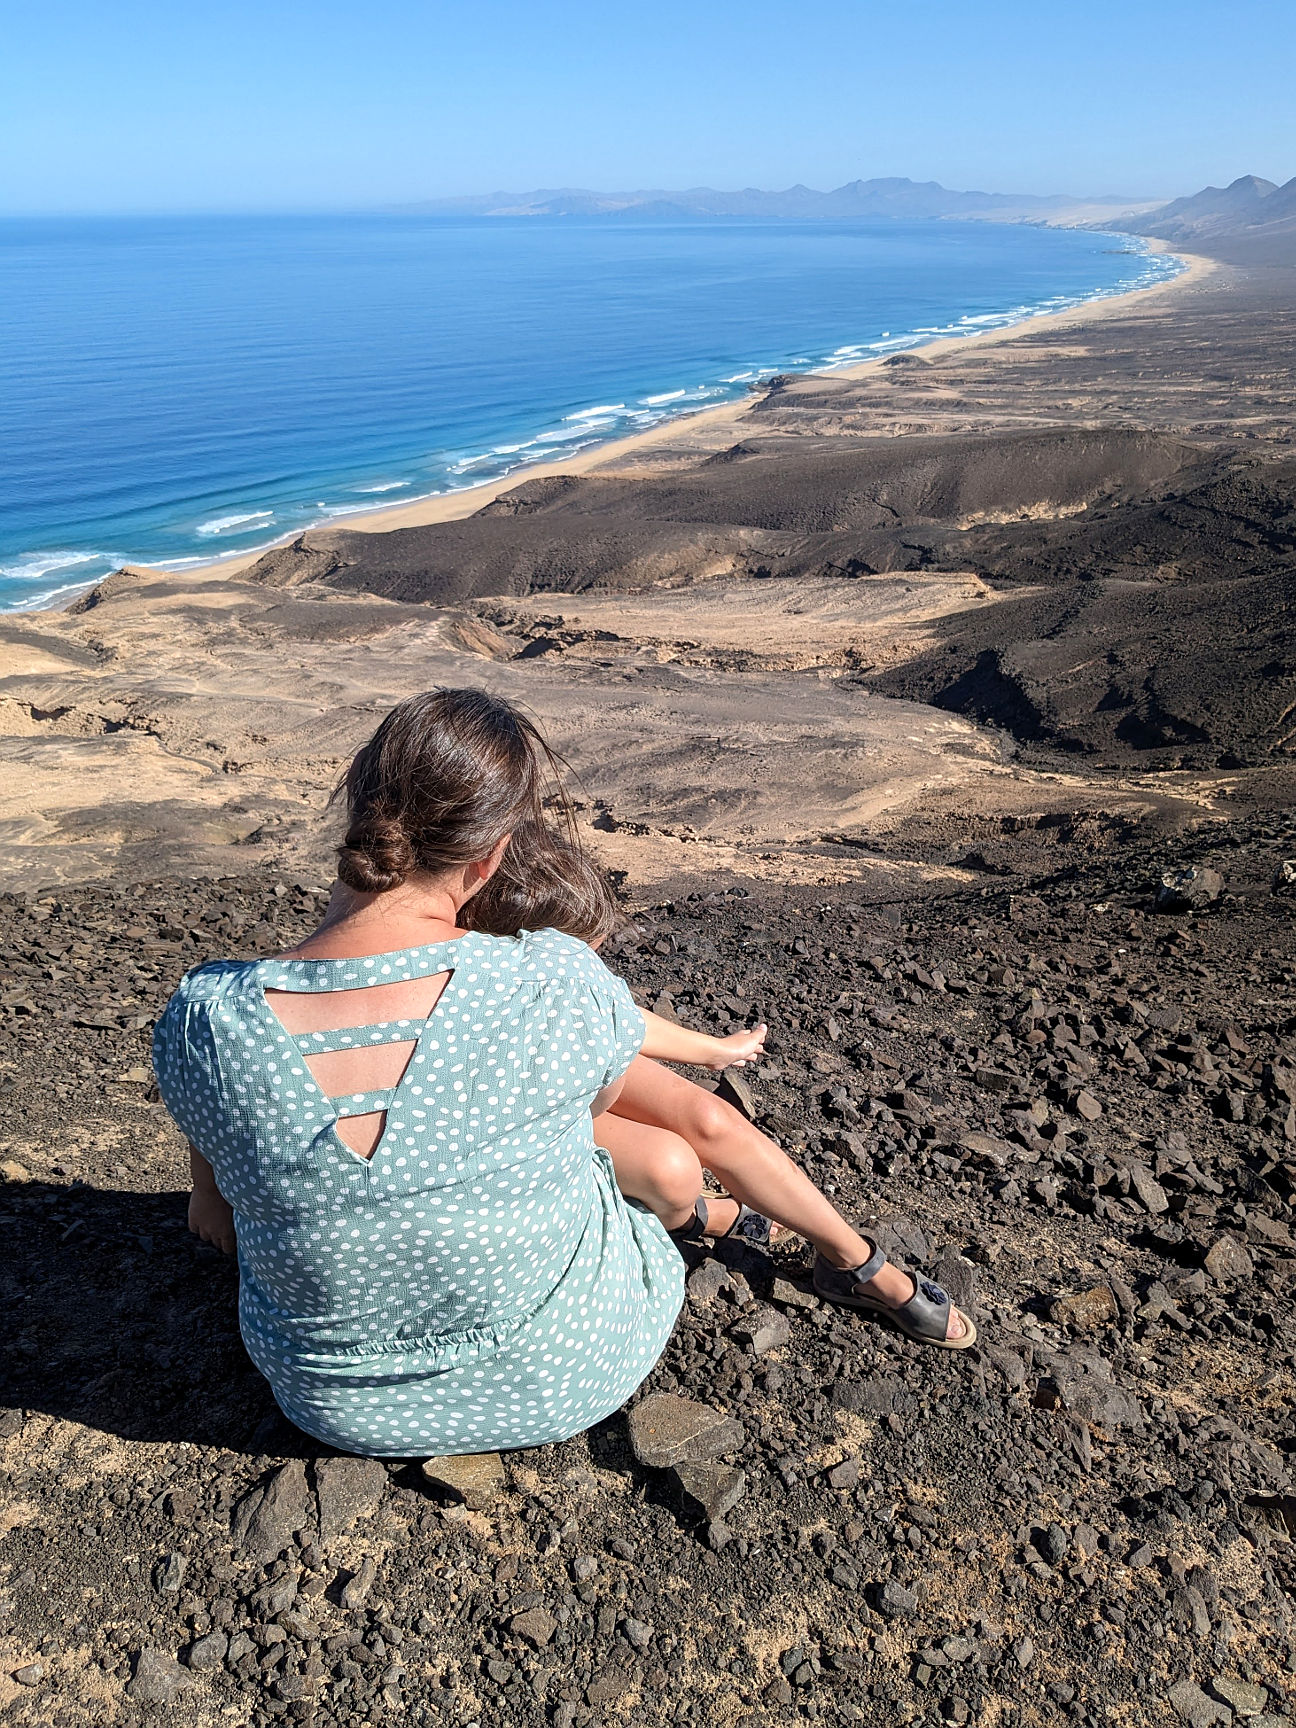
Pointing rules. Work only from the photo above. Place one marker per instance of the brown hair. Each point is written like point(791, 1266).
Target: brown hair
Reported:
point(442, 780)
point(545, 883)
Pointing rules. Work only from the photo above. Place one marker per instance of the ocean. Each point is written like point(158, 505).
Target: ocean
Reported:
point(175, 390)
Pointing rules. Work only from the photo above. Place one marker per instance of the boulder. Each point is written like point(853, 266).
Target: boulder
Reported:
point(761, 1330)
point(1188, 888)
point(1227, 1260)
point(710, 1490)
point(536, 1625)
point(208, 1652)
point(157, 1679)
point(267, 1517)
point(894, 1602)
point(1086, 1309)
point(1193, 1706)
point(706, 1281)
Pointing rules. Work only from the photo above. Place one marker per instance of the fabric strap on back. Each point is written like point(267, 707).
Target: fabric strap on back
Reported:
point(358, 1037)
point(362, 1103)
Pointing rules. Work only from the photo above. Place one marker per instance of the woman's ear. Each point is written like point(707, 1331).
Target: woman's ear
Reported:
point(478, 874)
point(492, 864)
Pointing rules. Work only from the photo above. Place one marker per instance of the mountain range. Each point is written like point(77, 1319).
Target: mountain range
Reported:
point(891, 197)
point(1248, 205)
point(1250, 221)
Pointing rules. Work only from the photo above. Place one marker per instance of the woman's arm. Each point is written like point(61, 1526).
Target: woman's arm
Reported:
point(667, 1042)
point(211, 1216)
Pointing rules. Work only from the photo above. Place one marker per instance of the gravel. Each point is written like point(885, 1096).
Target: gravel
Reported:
point(1088, 1517)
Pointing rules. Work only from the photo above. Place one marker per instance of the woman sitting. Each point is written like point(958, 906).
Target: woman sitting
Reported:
point(395, 1120)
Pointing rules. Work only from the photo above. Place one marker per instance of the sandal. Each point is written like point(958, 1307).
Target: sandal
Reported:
point(749, 1226)
point(924, 1317)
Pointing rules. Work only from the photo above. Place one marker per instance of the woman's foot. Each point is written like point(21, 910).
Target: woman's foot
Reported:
point(729, 1217)
point(918, 1307)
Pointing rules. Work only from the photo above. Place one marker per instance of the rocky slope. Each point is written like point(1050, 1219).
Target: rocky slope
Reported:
point(1076, 1110)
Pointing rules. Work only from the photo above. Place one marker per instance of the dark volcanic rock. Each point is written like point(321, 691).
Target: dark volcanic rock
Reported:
point(1003, 1494)
point(666, 1429)
point(347, 1490)
point(158, 1678)
point(761, 1330)
point(1186, 889)
point(475, 1478)
point(710, 1490)
point(269, 1515)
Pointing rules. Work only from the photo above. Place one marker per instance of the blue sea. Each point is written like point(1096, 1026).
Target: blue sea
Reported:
point(176, 390)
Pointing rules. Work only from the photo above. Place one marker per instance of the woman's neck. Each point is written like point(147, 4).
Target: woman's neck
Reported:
point(411, 916)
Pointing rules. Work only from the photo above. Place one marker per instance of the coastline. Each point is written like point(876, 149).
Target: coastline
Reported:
point(633, 453)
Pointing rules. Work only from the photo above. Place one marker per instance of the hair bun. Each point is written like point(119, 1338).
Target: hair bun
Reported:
point(445, 777)
point(376, 855)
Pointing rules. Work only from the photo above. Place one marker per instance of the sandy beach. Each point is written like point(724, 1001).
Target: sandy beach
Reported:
point(712, 428)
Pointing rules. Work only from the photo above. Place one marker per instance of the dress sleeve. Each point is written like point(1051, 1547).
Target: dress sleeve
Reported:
point(594, 1009)
point(626, 1027)
point(183, 1062)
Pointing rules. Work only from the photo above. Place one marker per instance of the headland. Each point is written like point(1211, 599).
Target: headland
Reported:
point(894, 705)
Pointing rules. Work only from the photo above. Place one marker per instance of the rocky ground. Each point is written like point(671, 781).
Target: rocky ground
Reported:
point(1076, 1110)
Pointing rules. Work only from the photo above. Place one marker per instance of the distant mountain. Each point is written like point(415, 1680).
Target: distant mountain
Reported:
point(858, 198)
point(1251, 219)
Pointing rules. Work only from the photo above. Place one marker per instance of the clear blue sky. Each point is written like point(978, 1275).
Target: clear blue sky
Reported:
point(109, 105)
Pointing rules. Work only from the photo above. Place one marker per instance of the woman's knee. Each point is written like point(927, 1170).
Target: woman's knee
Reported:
point(674, 1173)
point(712, 1122)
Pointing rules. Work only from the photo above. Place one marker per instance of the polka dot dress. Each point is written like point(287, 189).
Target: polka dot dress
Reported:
point(480, 1282)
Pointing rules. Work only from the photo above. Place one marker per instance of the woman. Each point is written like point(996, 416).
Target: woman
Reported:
point(395, 1119)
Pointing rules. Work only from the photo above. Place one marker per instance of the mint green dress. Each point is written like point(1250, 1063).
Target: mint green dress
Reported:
point(480, 1282)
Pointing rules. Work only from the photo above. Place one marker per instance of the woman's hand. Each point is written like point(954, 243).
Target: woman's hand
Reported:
point(211, 1218)
point(738, 1049)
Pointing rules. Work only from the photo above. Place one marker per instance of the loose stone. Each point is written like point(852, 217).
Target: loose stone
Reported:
point(475, 1478)
point(666, 1429)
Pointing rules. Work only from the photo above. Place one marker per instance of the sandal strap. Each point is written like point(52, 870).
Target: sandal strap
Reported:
point(871, 1267)
point(694, 1226)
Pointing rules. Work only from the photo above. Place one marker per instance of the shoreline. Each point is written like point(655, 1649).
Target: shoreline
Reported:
point(453, 506)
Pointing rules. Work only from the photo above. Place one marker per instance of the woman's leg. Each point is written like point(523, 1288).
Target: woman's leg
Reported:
point(751, 1167)
point(652, 1165)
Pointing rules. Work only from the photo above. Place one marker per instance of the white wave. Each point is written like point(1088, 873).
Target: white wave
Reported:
point(507, 449)
point(222, 524)
point(32, 565)
point(387, 486)
point(588, 413)
point(666, 396)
